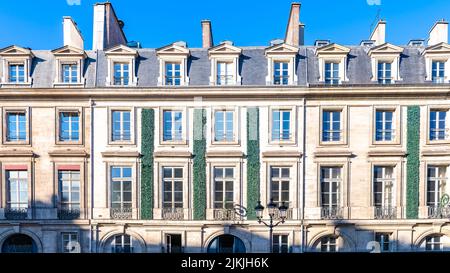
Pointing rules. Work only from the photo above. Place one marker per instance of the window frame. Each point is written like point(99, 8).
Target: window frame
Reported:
point(80, 140)
point(446, 139)
point(173, 180)
point(439, 69)
point(292, 125)
point(236, 125)
point(132, 140)
point(17, 65)
point(184, 127)
point(431, 240)
point(344, 129)
point(26, 111)
point(440, 182)
point(393, 180)
point(334, 66)
point(77, 70)
point(7, 187)
point(162, 163)
point(280, 242)
point(384, 79)
point(382, 241)
point(121, 180)
point(62, 240)
point(60, 189)
point(396, 125)
point(223, 189)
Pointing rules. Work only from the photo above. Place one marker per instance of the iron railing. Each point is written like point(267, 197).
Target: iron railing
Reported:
point(331, 213)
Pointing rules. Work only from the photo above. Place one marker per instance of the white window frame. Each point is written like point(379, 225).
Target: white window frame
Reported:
point(446, 128)
point(121, 54)
point(173, 76)
point(440, 66)
point(20, 204)
point(172, 180)
point(343, 123)
point(433, 241)
point(439, 183)
point(71, 70)
point(382, 241)
point(388, 184)
point(67, 238)
point(120, 180)
point(59, 112)
point(122, 244)
point(17, 65)
point(6, 111)
point(334, 79)
point(396, 125)
point(132, 126)
point(225, 53)
point(230, 74)
point(184, 127)
point(339, 188)
point(384, 79)
point(121, 71)
point(235, 138)
point(329, 244)
point(223, 179)
point(292, 125)
point(282, 53)
point(281, 179)
point(69, 203)
point(278, 237)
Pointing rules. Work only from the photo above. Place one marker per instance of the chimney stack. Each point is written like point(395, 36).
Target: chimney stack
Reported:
point(108, 30)
point(439, 33)
point(294, 28)
point(379, 33)
point(207, 37)
point(71, 33)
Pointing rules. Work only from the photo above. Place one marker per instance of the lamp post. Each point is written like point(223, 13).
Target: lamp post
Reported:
point(271, 208)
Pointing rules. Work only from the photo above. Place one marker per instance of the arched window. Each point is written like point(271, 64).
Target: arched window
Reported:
point(19, 243)
point(226, 244)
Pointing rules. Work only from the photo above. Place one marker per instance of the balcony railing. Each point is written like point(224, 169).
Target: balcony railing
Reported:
point(16, 213)
point(331, 213)
point(281, 79)
point(68, 214)
point(437, 212)
point(385, 212)
point(121, 80)
point(226, 215)
point(173, 213)
point(276, 215)
point(121, 213)
point(225, 79)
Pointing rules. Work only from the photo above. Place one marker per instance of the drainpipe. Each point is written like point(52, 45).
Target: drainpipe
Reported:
point(91, 105)
point(304, 178)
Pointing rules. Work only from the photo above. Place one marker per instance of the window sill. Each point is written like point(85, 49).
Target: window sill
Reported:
point(283, 143)
point(173, 143)
point(225, 143)
point(69, 85)
point(70, 143)
point(437, 142)
point(18, 84)
point(17, 143)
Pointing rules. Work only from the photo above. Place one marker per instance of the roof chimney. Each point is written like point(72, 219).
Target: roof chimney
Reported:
point(72, 36)
point(439, 33)
point(207, 37)
point(108, 30)
point(293, 27)
point(379, 33)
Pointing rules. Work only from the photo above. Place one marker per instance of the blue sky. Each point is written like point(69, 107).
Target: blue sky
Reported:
point(38, 24)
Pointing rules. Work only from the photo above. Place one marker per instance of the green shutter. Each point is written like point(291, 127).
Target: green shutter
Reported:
point(253, 161)
point(199, 168)
point(412, 163)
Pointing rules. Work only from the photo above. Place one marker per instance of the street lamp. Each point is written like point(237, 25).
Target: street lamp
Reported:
point(272, 208)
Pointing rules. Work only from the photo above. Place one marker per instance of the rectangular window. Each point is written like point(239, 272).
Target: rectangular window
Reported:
point(69, 189)
point(16, 73)
point(121, 187)
point(121, 73)
point(69, 73)
point(331, 126)
point(330, 178)
point(384, 73)
point(16, 126)
point(438, 126)
point(281, 125)
point(173, 243)
point(279, 185)
point(172, 187)
point(69, 126)
point(280, 243)
point(173, 73)
point(121, 125)
point(17, 189)
point(223, 188)
point(433, 243)
point(331, 73)
point(70, 242)
point(172, 125)
point(383, 240)
point(383, 186)
point(280, 73)
point(384, 125)
point(436, 180)
point(223, 126)
point(225, 75)
point(438, 71)
point(328, 244)
point(122, 244)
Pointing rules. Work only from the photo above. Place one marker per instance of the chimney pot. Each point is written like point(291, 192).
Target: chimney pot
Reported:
point(294, 29)
point(207, 37)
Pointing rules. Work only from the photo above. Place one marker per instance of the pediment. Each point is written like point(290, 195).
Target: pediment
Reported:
point(172, 49)
point(281, 49)
point(15, 51)
point(121, 50)
point(68, 50)
point(441, 48)
point(332, 49)
point(225, 48)
point(385, 48)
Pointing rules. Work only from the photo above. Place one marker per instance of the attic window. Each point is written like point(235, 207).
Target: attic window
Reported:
point(224, 64)
point(16, 63)
point(16, 73)
point(281, 68)
point(121, 66)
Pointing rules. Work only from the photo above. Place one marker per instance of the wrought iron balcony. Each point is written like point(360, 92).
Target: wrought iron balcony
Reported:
point(16, 213)
point(276, 215)
point(226, 215)
point(173, 213)
point(121, 213)
point(331, 213)
point(385, 212)
point(225, 79)
point(437, 212)
point(68, 213)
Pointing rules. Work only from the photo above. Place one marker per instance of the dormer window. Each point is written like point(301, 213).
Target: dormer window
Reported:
point(121, 73)
point(385, 60)
point(332, 63)
point(384, 73)
point(225, 64)
point(280, 73)
point(173, 74)
point(69, 62)
point(121, 66)
point(173, 64)
point(331, 73)
point(438, 71)
point(16, 73)
point(16, 63)
point(69, 73)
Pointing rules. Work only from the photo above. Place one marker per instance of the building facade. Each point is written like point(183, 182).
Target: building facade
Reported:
point(129, 149)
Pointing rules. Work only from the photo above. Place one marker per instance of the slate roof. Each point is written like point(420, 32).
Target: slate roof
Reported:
point(252, 67)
